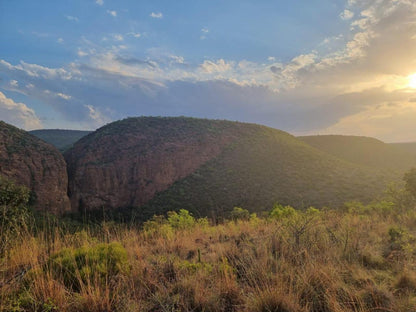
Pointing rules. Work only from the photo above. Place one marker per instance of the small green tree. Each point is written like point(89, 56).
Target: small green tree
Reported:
point(14, 213)
point(410, 180)
point(181, 220)
point(240, 214)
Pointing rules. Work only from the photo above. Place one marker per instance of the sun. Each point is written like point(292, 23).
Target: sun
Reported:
point(412, 81)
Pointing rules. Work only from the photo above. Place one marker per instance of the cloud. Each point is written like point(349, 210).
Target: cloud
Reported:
point(134, 61)
point(363, 78)
point(215, 67)
point(118, 37)
point(156, 15)
point(18, 114)
point(112, 13)
point(205, 30)
point(99, 2)
point(81, 53)
point(134, 34)
point(346, 15)
point(60, 40)
point(72, 18)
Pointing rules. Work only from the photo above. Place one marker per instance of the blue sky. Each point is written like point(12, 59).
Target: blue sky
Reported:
point(306, 66)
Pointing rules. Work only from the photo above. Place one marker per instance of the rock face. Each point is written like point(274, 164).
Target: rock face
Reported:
point(39, 166)
point(125, 163)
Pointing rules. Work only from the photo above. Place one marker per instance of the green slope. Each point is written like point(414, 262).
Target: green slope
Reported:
point(364, 151)
point(265, 166)
point(409, 147)
point(61, 139)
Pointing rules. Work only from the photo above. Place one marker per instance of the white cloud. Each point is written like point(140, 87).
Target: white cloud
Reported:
point(346, 15)
point(18, 114)
point(14, 83)
point(118, 37)
point(64, 96)
point(81, 53)
point(112, 13)
point(215, 67)
point(72, 18)
point(60, 40)
point(96, 115)
point(205, 30)
point(314, 91)
point(99, 2)
point(156, 15)
point(134, 34)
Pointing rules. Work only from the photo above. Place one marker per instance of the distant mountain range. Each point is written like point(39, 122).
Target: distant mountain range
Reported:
point(149, 165)
point(61, 139)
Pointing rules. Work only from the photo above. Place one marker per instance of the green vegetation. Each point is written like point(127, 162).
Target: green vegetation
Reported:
point(264, 166)
point(14, 212)
point(364, 151)
point(17, 141)
point(358, 258)
point(61, 139)
point(335, 265)
point(409, 147)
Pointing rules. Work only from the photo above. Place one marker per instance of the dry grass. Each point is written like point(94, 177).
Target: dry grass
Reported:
point(340, 262)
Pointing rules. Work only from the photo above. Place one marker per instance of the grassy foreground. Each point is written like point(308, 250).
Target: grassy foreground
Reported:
point(359, 259)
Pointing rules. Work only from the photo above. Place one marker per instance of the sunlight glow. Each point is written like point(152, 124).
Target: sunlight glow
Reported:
point(412, 81)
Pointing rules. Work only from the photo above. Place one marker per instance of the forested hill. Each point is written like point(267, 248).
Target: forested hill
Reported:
point(364, 151)
point(156, 164)
point(61, 139)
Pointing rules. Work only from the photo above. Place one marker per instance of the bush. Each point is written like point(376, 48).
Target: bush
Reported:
point(14, 213)
point(280, 212)
point(182, 220)
point(240, 214)
point(84, 265)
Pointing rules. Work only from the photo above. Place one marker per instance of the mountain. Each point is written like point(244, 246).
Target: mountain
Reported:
point(409, 147)
point(364, 151)
point(39, 166)
point(155, 164)
point(61, 139)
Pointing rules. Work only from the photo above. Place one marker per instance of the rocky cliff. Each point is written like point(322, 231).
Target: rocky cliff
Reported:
point(124, 164)
point(208, 166)
point(39, 166)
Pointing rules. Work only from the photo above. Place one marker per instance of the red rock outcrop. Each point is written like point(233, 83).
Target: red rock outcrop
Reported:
point(124, 164)
point(37, 165)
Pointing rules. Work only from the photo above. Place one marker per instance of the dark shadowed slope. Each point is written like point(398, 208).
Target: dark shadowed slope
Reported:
point(208, 166)
point(31, 162)
point(363, 151)
point(61, 139)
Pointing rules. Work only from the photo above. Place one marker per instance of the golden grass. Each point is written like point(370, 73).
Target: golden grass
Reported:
point(340, 262)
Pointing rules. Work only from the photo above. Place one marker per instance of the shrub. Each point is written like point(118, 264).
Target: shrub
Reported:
point(181, 220)
point(280, 212)
point(240, 214)
point(88, 264)
point(14, 213)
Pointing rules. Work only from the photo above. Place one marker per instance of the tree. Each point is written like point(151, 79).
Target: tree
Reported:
point(13, 210)
point(410, 180)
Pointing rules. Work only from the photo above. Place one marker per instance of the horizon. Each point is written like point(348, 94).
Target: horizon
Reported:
point(317, 68)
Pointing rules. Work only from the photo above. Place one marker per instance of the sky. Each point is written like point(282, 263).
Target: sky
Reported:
point(304, 66)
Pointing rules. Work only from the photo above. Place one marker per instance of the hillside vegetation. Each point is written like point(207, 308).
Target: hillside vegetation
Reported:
point(61, 139)
point(361, 258)
point(208, 167)
point(409, 147)
point(35, 164)
point(364, 151)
